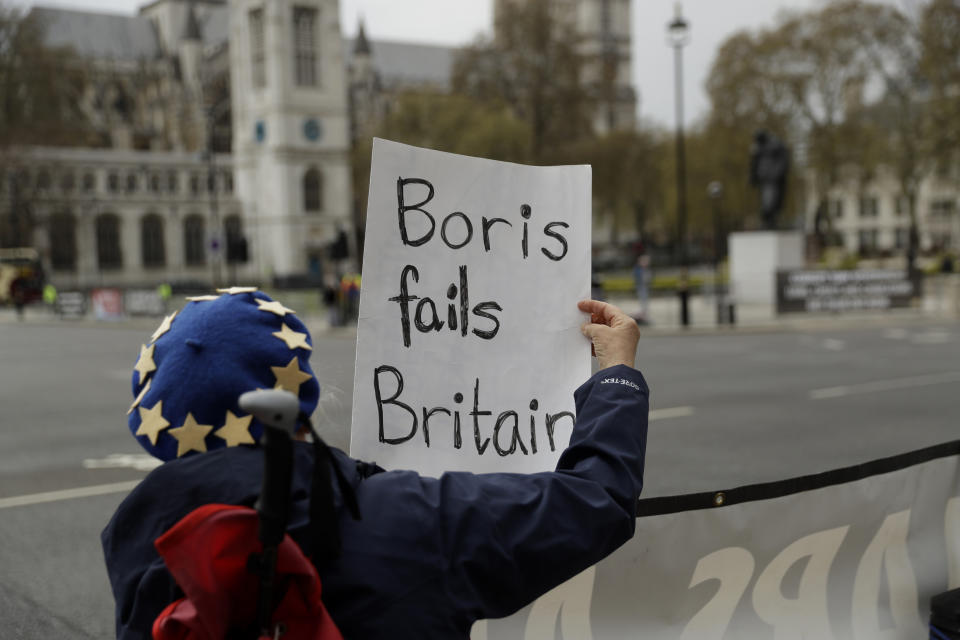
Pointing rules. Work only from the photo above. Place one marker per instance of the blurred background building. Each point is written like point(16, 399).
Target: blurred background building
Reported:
point(219, 145)
point(871, 216)
point(602, 30)
point(210, 141)
point(217, 137)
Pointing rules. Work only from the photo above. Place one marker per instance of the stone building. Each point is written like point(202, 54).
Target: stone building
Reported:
point(380, 70)
point(872, 216)
point(223, 131)
point(604, 28)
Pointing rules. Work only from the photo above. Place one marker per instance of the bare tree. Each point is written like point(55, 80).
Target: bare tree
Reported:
point(533, 65)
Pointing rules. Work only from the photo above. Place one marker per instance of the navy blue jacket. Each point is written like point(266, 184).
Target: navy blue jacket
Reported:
point(431, 555)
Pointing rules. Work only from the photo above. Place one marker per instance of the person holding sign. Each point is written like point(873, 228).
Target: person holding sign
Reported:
point(429, 556)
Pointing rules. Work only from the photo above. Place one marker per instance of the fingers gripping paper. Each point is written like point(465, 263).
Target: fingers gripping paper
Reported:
point(468, 343)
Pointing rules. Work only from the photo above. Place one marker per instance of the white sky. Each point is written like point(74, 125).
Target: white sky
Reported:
point(455, 22)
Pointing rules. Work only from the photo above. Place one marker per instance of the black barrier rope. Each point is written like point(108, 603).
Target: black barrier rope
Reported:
point(780, 488)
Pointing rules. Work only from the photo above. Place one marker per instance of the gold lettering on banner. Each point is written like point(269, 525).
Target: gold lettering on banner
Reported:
point(733, 567)
point(571, 603)
point(805, 616)
point(479, 630)
point(952, 530)
point(887, 554)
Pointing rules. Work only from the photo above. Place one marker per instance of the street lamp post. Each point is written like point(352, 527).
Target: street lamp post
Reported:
point(678, 34)
point(216, 238)
point(715, 192)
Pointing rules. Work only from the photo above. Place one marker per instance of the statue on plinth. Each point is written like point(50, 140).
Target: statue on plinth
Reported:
point(769, 167)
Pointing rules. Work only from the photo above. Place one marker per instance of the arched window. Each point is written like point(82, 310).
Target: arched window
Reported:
point(312, 190)
point(305, 45)
point(63, 241)
point(108, 241)
point(233, 234)
point(43, 179)
point(151, 241)
point(194, 236)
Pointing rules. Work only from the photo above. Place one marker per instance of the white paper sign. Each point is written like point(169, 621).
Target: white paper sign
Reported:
point(468, 343)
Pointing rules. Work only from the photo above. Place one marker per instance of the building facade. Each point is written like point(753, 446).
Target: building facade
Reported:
point(221, 137)
point(222, 147)
point(604, 29)
point(290, 130)
point(872, 217)
point(108, 217)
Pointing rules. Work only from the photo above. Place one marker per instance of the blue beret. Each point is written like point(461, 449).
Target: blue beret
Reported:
point(189, 377)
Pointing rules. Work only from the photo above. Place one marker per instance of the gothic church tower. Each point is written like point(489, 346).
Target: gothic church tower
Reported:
point(290, 133)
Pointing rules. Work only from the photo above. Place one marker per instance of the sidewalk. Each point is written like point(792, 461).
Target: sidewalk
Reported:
point(664, 316)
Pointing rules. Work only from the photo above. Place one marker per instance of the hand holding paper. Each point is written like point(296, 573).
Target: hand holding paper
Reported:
point(614, 334)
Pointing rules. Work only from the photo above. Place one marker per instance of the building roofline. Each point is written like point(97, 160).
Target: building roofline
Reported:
point(149, 5)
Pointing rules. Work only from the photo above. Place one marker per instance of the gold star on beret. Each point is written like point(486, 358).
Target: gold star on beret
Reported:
point(190, 436)
point(290, 377)
point(293, 338)
point(236, 430)
point(201, 298)
point(235, 290)
point(139, 398)
point(152, 422)
point(145, 363)
point(274, 306)
point(164, 327)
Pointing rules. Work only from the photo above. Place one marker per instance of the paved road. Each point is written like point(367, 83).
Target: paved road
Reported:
point(728, 409)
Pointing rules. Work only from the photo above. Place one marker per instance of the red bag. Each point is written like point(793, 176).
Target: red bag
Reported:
point(207, 554)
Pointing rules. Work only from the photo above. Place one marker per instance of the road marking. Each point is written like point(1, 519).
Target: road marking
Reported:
point(670, 412)
point(885, 385)
point(895, 334)
point(832, 344)
point(138, 461)
point(68, 494)
point(932, 337)
point(121, 487)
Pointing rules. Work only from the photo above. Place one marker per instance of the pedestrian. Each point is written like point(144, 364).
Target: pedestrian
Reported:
point(346, 281)
point(50, 297)
point(353, 296)
point(946, 263)
point(641, 280)
point(164, 291)
point(18, 293)
point(430, 555)
point(331, 303)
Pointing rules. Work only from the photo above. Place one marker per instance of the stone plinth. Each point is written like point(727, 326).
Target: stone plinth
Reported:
point(755, 258)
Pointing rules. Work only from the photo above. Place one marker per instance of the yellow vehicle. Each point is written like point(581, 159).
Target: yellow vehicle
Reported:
point(21, 276)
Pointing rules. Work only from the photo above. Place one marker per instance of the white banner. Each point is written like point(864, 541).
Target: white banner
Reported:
point(468, 342)
point(858, 560)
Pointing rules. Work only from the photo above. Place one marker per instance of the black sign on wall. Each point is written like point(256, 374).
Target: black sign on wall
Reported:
point(844, 290)
point(71, 304)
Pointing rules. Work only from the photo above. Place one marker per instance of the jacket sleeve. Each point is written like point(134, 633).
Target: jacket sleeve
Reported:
point(509, 538)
